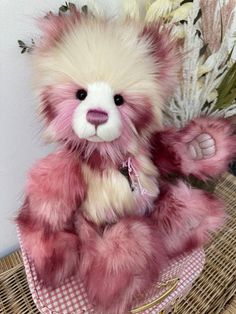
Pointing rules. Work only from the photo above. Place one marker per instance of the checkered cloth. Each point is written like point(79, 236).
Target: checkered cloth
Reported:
point(71, 297)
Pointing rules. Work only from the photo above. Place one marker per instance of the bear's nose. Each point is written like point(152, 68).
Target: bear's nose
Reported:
point(96, 117)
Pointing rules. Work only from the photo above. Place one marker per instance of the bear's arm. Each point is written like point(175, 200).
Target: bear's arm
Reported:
point(54, 191)
point(204, 148)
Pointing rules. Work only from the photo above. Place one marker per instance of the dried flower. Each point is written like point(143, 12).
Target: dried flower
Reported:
point(208, 84)
point(212, 96)
point(218, 18)
point(181, 13)
point(178, 31)
point(158, 9)
point(208, 65)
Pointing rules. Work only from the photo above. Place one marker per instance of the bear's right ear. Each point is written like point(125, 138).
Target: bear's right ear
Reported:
point(54, 26)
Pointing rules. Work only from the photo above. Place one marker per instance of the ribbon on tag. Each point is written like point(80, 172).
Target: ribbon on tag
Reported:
point(133, 177)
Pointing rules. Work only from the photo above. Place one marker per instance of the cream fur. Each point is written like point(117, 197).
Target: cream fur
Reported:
point(109, 195)
point(106, 194)
point(94, 51)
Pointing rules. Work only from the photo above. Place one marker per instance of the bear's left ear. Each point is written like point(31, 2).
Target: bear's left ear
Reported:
point(54, 26)
point(165, 50)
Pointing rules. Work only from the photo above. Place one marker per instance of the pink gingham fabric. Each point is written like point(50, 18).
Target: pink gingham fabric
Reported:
point(71, 297)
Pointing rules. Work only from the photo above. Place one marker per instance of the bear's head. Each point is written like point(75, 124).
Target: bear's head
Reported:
point(102, 84)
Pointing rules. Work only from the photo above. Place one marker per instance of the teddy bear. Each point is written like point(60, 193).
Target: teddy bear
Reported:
point(100, 207)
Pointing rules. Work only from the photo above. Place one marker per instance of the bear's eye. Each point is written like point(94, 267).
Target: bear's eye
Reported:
point(118, 99)
point(81, 94)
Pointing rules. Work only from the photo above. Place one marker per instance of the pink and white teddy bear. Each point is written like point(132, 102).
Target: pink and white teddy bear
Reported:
point(99, 207)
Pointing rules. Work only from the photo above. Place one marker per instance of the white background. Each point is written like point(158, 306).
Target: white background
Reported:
point(20, 143)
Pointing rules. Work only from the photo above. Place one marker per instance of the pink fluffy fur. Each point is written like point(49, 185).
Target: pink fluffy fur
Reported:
point(164, 48)
point(186, 217)
point(56, 256)
point(54, 189)
point(171, 148)
point(123, 261)
point(53, 26)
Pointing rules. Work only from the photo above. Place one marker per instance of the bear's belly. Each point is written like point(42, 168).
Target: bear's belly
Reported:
point(109, 195)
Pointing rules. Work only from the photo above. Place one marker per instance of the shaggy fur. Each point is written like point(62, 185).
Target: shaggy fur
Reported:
point(81, 215)
point(171, 148)
point(76, 56)
point(124, 261)
point(55, 189)
point(54, 253)
point(185, 217)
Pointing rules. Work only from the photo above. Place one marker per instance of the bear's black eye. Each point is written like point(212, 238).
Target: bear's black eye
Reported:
point(81, 94)
point(118, 99)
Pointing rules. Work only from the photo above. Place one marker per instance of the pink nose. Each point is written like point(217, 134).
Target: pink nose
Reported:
point(96, 117)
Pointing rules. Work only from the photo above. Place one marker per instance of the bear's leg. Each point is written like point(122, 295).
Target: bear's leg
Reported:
point(119, 263)
point(55, 254)
point(185, 217)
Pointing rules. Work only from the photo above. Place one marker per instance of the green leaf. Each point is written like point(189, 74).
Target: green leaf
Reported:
point(230, 54)
point(199, 184)
point(227, 89)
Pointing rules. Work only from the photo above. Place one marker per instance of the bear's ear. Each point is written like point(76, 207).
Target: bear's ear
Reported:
point(54, 26)
point(165, 50)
